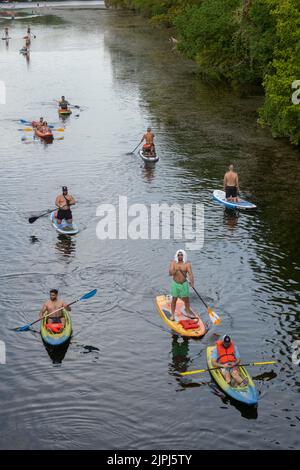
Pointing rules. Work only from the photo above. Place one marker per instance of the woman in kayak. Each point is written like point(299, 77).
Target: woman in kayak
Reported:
point(54, 304)
point(179, 269)
point(226, 356)
point(63, 202)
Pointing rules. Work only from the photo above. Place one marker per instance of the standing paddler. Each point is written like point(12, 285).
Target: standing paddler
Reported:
point(63, 202)
point(231, 185)
point(180, 268)
point(6, 33)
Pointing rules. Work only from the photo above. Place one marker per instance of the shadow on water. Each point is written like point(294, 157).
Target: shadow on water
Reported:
point(248, 412)
point(57, 353)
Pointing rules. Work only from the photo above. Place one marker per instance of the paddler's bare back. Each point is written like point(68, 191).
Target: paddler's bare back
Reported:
point(231, 178)
point(149, 137)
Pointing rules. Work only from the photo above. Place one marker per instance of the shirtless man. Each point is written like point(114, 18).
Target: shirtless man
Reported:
point(51, 305)
point(63, 103)
point(179, 269)
point(63, 202)
point(231, 185)
point(38, 124)
point(149, 139)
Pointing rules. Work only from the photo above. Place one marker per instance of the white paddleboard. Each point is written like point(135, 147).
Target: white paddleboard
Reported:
point(219, 196)
point(64, 228)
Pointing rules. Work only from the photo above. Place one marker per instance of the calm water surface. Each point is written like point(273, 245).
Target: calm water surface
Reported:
point(116, 385)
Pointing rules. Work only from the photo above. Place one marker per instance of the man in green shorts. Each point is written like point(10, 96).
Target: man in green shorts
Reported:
point(180, 269)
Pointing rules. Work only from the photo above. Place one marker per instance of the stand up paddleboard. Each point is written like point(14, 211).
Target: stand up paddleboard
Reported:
point(64, 228)
point(194, 328)
point(219, 196)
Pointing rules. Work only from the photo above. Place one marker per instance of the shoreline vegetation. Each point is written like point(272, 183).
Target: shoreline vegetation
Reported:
point(244, 43)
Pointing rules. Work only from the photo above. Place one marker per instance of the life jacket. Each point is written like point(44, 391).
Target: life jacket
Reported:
point(225, 354)
point(189, 324)
point(146, 146)
point(54, 327)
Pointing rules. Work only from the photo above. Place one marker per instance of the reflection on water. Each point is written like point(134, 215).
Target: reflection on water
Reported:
point(248, 412)
point(179, 352)
point(231, 218)
point(57, 354)
point(148, 173)
point(66, 245)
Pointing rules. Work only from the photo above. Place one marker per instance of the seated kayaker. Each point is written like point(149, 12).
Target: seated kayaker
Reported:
point(63, 202)
point(63, 103)
point(148, 147)
point(226, 356)
point(51, 306)
point(180, 269)
point(231, 185)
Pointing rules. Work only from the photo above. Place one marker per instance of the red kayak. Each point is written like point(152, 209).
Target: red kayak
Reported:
point(44, 135)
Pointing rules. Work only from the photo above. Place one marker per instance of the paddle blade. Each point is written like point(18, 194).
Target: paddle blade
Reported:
point(216, 320)
point(59, 129)
point(32, 219)
point(23, 328)
point(27, 129)
point(89, 295)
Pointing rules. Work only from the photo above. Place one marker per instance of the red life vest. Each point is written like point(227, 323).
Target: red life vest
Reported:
point(189, 324)
point(147, 146)
point(225, 354)
point(55, 327)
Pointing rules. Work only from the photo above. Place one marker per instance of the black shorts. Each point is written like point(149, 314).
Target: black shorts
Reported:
point(64, 214)
point(231, 191)
point(55, 319)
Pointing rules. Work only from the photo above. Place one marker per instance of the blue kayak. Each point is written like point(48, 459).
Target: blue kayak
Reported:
point(219, 196)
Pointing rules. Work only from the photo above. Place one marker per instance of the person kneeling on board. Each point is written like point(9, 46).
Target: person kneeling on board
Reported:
point(63, 202)
point(179, 269)
point(51, 306)
point(226, 356)
point(231, 185)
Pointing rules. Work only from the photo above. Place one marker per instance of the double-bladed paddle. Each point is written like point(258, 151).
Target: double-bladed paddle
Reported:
point(240, 365)
point(84, 297)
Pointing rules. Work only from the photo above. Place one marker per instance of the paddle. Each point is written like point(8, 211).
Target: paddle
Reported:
point(215, 319)
point(84, 297)
point(31, 220)
point(214, 368)
point(30, 129)
point(29, 123)
point(71, 105)
point(131, 153)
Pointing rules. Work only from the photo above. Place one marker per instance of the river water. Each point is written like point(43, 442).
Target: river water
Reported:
point(116, 385)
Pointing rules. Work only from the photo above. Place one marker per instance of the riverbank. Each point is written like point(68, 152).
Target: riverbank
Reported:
point(243, 43)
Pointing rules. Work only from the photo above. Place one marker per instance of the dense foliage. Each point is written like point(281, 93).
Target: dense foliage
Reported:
point(243, 42)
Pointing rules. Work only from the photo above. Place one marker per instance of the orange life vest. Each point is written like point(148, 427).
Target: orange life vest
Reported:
point(55, 327)
point(225, 354)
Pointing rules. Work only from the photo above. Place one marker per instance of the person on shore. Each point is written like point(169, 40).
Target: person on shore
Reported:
point(63, 103)
point(148, 147)
point(179, 269)
point(231, 185)
point(226, 356)
point(63, 202)
point(52, 305)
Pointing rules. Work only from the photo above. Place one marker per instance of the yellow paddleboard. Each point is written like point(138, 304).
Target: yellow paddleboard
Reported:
point(163, 303)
